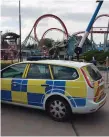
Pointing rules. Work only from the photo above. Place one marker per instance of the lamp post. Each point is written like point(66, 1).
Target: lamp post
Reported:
point(20, 55)
point(0, 38)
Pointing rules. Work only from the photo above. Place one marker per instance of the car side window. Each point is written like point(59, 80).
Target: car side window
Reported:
point(64, 73)
point(14, 71)
point(39, 71)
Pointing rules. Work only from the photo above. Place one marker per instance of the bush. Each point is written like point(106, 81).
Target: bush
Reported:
point(100, 56)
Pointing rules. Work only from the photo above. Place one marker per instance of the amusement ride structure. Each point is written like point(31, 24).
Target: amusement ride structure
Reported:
point(70, 44)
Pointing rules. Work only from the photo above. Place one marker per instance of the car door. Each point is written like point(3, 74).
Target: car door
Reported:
point(38, 75)
point(11, 80)
point(68, 82)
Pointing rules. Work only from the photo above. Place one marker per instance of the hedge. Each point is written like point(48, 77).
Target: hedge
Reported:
point(100, 56)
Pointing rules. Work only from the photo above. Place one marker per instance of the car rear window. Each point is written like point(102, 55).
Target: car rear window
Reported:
point(94, 72)
point(64, 73)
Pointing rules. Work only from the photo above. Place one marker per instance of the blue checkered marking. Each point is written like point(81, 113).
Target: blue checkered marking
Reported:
point(24, 85)
point(58, 91)
point(6, 95)
point(80, 102)
point(17, 86)
point(55, 86)
point(35, 99)
point(72, 101)
point(60, 85)
point(48, 89)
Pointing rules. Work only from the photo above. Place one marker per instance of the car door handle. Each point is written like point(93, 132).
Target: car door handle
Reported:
point(15, 83)
point(45, 85)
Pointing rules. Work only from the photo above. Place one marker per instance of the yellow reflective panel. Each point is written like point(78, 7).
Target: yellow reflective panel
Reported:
point(20, 97)
point(34, 86)
point(76, 88)
point(24, 98)
point(6, 84)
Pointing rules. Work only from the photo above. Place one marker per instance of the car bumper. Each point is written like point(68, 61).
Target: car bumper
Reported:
point(91, 106)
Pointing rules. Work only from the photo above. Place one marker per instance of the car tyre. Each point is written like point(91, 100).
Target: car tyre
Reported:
point(58, 109)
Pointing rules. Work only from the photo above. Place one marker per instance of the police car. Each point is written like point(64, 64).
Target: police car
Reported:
point(59, 87)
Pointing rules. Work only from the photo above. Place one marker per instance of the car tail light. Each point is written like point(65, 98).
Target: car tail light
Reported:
point(87, 79)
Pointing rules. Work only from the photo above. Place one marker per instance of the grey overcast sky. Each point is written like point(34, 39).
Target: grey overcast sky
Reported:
point(74, 13)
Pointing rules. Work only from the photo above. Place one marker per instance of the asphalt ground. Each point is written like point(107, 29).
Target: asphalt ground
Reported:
point(20, 121)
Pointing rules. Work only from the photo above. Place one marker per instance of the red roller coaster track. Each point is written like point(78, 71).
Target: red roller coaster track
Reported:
point(57, 29)
point(46, 16)
point(63, 25)
point(101, 32)
point(102, 15)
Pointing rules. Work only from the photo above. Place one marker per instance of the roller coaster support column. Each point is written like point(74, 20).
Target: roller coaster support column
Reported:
point(78, 50)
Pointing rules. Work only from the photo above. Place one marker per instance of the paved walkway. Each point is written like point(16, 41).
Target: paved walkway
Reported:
point(19, 121)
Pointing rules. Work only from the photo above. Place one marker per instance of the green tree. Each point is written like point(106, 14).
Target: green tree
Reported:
point(48, 42)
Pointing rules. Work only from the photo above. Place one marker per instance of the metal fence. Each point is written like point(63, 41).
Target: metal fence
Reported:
point(105, 74)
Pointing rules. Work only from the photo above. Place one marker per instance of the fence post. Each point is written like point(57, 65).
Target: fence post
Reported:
point(107, 66)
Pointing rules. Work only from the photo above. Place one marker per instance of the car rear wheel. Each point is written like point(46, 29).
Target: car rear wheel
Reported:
point(58, 109)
